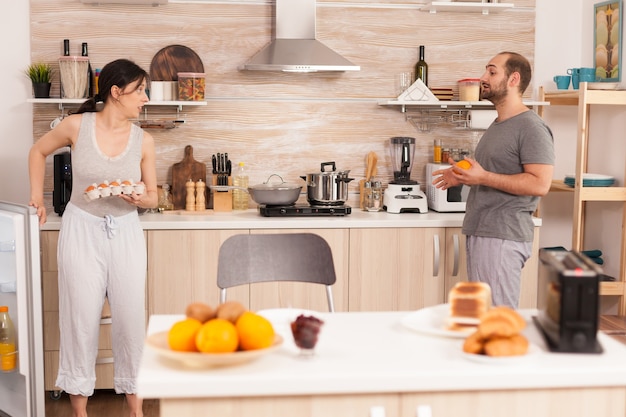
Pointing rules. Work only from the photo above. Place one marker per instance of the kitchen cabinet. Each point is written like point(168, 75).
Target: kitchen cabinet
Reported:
point(396, 268)
point(466, 7)
point(585, 98)
point(104, 361)
point(190, 257)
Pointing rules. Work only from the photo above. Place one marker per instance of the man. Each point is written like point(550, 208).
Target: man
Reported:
point(512, 169)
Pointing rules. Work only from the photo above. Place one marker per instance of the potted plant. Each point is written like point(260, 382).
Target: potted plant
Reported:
point(40, 74)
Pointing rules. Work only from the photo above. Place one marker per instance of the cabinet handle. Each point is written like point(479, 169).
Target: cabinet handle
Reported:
point(436, 255)
point(457, 255)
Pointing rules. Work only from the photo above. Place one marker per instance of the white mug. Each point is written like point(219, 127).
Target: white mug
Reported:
point(157, 90)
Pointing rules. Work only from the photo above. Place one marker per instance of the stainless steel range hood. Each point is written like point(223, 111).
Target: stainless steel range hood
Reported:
point(295, 48)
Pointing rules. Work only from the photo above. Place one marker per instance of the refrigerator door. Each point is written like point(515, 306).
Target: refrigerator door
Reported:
point(22, 391)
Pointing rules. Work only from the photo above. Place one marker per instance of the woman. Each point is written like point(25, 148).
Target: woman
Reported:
point(101, 249)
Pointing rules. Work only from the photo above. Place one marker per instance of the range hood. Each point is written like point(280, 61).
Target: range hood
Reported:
point(295, 48)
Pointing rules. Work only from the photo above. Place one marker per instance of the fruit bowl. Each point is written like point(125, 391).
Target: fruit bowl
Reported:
point(158, 343)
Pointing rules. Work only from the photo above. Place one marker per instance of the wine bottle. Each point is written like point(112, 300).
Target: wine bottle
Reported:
point(421, 68)
point(85, 53)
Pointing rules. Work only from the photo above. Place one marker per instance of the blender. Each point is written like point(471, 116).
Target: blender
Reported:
point(403, 195)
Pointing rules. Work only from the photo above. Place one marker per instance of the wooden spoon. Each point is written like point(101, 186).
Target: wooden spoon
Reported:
point(370, 165)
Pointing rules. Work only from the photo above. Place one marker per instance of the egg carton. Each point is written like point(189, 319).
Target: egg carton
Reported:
point(113, 188)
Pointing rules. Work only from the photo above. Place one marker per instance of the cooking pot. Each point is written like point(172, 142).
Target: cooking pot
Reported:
point(327, 187)
point(271, 194)
point(275, 193)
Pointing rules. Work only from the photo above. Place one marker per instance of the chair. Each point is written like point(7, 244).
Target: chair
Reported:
point(301, 257)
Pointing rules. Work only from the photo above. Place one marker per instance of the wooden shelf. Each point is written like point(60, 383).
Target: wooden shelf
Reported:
point(583, 99)
point(466, 7)
point(592, 193)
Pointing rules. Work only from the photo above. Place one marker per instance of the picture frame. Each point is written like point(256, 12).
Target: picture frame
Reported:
point(607, 40)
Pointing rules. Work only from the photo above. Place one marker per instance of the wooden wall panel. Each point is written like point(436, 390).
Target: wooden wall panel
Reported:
point(287, 123)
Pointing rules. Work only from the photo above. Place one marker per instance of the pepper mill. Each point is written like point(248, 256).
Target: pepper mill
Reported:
point(200, 199)
point(191, 198)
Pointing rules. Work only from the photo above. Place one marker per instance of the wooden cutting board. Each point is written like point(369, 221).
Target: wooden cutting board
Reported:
point(171, 60)
point(182, 171)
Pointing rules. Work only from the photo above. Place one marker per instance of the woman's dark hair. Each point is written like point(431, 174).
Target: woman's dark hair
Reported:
point(120, 72)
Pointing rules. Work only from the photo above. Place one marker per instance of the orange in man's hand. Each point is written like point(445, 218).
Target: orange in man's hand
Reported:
point(464, 164)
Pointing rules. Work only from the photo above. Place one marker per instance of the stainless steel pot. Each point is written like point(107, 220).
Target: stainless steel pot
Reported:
point(327, 187)
point(276, 193)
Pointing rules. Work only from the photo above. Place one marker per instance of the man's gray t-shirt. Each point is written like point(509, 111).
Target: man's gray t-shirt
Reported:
point(504, 149)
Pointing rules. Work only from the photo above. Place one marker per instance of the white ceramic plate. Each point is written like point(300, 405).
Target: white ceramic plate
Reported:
point(432, 321)
point(158, 343)
point(603, 86)
point(502, 360)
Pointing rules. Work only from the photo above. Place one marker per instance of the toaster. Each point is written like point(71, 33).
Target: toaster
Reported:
point(569, 318)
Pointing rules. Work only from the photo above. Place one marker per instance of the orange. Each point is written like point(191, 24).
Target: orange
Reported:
point(255, 332)
point(182, 335)
point(464, 164)
point(217, 336)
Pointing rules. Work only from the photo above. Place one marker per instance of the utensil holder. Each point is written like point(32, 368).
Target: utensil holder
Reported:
point(222, 200)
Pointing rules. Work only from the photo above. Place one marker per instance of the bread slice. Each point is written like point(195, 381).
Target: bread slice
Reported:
point(468, 301)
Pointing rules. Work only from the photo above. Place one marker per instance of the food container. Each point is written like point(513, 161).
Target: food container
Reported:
point(191, 86)
point(327, 187)
point(469, 89)
point(73, 71)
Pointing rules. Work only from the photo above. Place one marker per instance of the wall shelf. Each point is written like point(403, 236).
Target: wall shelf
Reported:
point(424, 114)
point(466, 7)
point(63, 101)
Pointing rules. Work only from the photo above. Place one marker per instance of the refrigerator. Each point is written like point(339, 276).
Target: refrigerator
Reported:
point(22, 391)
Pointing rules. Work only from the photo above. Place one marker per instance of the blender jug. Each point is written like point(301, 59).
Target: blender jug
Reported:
point(402, 153)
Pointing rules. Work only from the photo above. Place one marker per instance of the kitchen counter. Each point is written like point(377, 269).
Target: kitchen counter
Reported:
point(373, 353)
point(251, 219)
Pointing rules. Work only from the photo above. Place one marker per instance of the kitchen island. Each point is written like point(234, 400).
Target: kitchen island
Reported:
point(370, 359)
point(383, 262)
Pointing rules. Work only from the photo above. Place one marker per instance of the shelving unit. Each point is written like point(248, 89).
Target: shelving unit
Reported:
point(584, 98)
point(466, 6)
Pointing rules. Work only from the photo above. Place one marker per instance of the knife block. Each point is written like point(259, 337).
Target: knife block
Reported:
point(222, 200)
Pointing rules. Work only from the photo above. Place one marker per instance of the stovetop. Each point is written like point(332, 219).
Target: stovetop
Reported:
point(303, 210)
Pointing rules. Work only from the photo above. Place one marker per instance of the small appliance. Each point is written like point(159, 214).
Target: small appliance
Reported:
point(62, 181)
point(403, 195)
point(569, 318)
point(303, 210)
point(451, 200)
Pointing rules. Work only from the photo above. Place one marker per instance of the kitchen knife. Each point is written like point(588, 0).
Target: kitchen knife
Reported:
point(214, 163)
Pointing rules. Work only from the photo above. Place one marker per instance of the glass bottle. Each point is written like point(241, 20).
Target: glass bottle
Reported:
point(165, 202)
point(421, 68)
point(8, 350)
point(437, 151)
point(240, 197)
point(90, 90)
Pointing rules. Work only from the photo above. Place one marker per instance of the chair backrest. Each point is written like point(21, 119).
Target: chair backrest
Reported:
point(300, 257)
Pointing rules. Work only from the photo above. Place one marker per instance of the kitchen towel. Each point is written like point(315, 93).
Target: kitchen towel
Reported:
point(480, 119)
